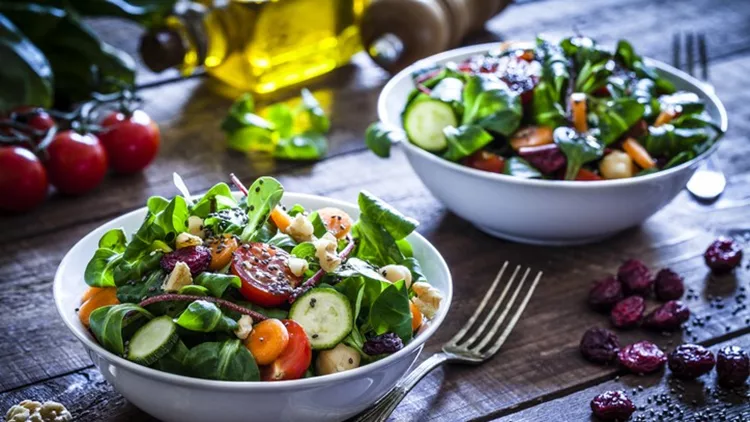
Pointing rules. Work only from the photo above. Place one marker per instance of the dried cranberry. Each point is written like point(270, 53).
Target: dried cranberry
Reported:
point(599, 345)
point(612, 406)
point(628, 312)
point(384, 343)
point(668, 285)
point(732, 366)
point(690, 361)
point(636, 277)
point(196, 257)
point(546, 158)
point(723, 255)
point(668, 316)
point(605, 293)
point(642, 358)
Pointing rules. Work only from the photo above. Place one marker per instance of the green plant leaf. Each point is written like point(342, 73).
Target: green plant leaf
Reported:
point(26, 75)
point(217, 283)
point(554, 68)
point(493, 108)
point(616, 117)
point(205, 317)
point(546, 107)
point(464, 141)
point(218, 198)
point(225, 361)
point(381, 213)
point(517, 166)
point(136, 291)
point(303, 146)
point(282, 119)
point(390, 312)
point(262, 197)
point(378, 138)
point(578, 148)
point(107, 324)
point(318, 121)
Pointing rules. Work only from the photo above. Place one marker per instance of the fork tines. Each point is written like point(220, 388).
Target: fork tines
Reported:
point(694, 43)
point(487, 329)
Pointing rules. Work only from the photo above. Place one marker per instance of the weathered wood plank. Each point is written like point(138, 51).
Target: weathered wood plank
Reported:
point(190, 111)
point(657, 397)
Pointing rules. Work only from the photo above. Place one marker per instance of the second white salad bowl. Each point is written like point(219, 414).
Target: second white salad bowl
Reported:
point(546, 212)
point(176, 398)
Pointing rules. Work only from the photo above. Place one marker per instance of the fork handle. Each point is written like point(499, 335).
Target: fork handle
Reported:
point(386, 405)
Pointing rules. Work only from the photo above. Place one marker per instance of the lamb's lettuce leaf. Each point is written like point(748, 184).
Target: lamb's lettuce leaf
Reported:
point(225, 361)
point(464, 141)
point(205, 317)
point(217, 283)
point(262, 197)
point(108, 322)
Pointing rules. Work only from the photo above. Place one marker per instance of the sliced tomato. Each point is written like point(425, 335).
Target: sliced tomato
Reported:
point(487, 161)
point(587, 175)
point(264, 271)
point(294, 360)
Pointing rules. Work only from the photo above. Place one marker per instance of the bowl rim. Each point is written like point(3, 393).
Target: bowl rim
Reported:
point(663, 68)
point(417, 342)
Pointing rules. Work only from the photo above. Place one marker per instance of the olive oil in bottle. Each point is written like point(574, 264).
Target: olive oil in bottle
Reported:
point(256, 45)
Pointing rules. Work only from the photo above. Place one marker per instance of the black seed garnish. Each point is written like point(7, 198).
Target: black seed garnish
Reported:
point(351, 361)
point(314, 336)
point(257, 189)
point(252, 208)
point(312, 302)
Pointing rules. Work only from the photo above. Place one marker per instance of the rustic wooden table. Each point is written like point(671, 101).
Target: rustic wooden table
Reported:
point(539, 374)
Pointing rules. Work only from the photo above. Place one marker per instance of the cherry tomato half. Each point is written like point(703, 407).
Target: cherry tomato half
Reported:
point(23, 180)
point(487, 161)
point(131, 141)
point(294, 360)
point(76, 163)
point(264, 271)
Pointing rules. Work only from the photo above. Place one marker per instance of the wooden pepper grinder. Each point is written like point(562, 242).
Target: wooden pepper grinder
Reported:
point(396, 33)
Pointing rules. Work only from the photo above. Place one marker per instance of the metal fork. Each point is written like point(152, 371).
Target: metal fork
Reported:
point(708, 182)
point(464, 348)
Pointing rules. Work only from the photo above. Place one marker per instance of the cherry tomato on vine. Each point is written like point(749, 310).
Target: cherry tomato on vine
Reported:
point(77, 163)
point(23, 180)
point(264, 272)
point(131, 141)
point(35, 117)
point(294, 360)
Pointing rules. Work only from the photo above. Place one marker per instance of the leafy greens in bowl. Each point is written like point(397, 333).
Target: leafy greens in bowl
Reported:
point(572, 110)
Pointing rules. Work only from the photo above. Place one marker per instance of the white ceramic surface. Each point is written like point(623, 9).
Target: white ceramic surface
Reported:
point(175, 398)
point(542, 211)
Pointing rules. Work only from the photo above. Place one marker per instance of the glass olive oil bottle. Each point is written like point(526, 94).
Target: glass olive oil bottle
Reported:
point(256, 45)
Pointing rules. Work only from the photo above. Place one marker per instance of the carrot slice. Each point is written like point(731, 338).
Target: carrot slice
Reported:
point(107, 296)
point(531, 136)
point(267, 340)
point(638, 153)
point(338, 222)
point(91, 292)
point(416, 316)
point(281, 218)
point(578, 109)
point(221, 251)
point(664, 117)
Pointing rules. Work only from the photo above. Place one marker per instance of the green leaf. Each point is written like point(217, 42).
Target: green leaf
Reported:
point(217, 283)
point(374, 244)
point(305, 250)
point(319, 227)
point(205, 317)
point(416, 270)
point(304, 146)
point(355, 267)
point(669, 141)
point(578, 148)
point(318, 121)
point(218, 198)
point(173, 361)
point(448, 90)
point(616, 117)
point(546, 107)
point(226, 361)
point(464, 141)
point(405, 247)
point(382, 214)
point(390, 312)
point(494, 108)
point(283, 241)
point(226, 221)
point(262, 197)
point(682, 102)
point(125, 271)
point(517, 166)
point(378, 138)
point(554, 68)
point(282, 119)
point(26, 75)
point(584, 49)
point(107, 324)
point(100, 271)
point(136, 291)
point(193, 290)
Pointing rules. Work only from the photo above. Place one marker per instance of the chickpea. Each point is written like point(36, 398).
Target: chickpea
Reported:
point(394, 273)
point(340, 358)
point(617, 165)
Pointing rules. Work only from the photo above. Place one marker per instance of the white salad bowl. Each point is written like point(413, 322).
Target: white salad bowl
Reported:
point(545, 212)
point(178, 398)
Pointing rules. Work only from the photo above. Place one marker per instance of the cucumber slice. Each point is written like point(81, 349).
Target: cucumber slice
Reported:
point(153, 340)
point(326, 316)
point(424, 121)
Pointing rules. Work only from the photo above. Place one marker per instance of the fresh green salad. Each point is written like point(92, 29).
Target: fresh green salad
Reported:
point(572, 110)
point(250, 290)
